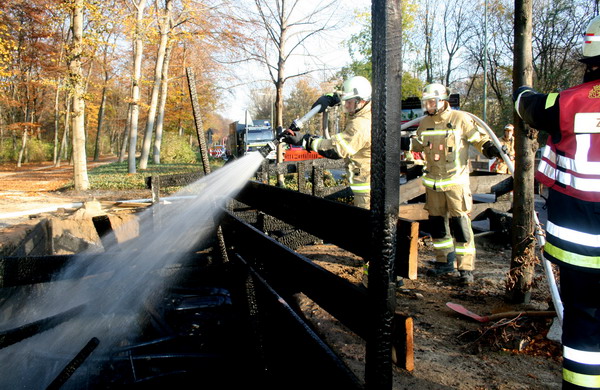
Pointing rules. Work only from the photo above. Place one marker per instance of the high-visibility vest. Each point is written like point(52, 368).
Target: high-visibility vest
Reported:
point(572, 165)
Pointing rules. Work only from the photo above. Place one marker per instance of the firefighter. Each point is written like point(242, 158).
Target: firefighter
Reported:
point(509, 142)
point(352, 144)
point(570, 169)
point(444, 136)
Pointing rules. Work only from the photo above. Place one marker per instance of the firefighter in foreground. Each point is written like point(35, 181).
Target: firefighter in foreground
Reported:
point(570, 168)
point(444, 136)
point(352, 144)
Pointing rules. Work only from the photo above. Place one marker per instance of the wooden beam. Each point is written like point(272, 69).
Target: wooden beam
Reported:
point(403, 355)
point(407, 249)
point(417, 212)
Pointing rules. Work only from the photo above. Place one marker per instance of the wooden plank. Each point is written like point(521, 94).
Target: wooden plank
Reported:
point(417, 212)
point(489, 184)
point(350, 231)
point(403, 342)
point(286, 270)
point(479, 209)
point(413, 212)
point(407, 249)
point(38, 242)
point(411, 190)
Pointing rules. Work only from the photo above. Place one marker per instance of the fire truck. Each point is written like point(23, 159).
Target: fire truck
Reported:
point(249, 135)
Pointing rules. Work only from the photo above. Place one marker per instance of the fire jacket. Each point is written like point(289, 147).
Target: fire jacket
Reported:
point(444, 139)
point(570, 165)
point(354, 145)
point(501, 166)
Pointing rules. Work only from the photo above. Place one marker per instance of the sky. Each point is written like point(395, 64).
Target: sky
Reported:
point(329, 49)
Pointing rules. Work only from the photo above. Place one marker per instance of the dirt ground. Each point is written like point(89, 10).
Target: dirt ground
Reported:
point(451, 350)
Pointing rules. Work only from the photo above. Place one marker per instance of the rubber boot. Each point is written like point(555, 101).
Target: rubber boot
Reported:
point(466, 277)
point(443, 268)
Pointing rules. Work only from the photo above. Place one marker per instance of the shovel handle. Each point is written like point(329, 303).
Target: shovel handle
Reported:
point(508, 314)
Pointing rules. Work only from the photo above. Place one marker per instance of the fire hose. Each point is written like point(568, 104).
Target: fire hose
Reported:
point(552, 285)
point(540, 238)
point(295, 126)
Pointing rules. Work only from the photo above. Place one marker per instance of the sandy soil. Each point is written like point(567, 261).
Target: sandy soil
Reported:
point(451, 351)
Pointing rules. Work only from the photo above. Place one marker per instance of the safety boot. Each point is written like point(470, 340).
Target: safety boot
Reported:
point(466, 277)
point(443, 268)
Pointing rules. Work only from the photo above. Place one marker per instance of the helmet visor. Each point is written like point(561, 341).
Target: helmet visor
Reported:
point(432, 105)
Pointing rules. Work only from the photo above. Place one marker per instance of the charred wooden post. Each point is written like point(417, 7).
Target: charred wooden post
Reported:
point(263, 173)
point(191, 78)
point(318, 182)
point(202, 144)
point(385, 189)
point(77, 361)
point(301, 169)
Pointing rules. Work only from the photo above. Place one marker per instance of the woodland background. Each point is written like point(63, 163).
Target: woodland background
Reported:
point(80, 78)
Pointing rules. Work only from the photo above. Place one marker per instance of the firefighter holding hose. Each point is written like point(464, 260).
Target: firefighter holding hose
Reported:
point(353, 144)
point(569, 168)
point(444, 136)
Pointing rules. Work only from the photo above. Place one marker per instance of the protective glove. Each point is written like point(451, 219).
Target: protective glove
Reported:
point(490, 150)
point(521, 89)
point(329, 100)
point(293, 138)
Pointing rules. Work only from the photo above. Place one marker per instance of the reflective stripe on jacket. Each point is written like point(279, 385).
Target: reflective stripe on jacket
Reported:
point(444, 139)
point(572, 165)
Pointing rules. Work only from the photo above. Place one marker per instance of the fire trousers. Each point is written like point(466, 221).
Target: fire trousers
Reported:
point(451, 225)
point(580, 293)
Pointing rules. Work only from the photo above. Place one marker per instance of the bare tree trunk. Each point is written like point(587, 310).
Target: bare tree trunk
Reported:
point(279, 95)
point(164, 87)
point(80, 176)
point(62, 152)
point(100, 120)
point(165, 27)
point(56, 121)
point(126, 132)
point(429, 27)
point(23, 146)
point(520, 277)
point(138, 46)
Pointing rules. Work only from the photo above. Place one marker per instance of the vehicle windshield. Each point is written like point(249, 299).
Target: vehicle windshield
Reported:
point(260, 135)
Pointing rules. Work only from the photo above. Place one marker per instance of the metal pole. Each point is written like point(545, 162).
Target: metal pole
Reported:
point(485, 61)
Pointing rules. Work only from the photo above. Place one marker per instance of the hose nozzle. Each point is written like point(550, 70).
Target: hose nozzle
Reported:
point(268, 148)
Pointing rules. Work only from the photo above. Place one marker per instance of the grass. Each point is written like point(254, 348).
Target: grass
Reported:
point(115, 176)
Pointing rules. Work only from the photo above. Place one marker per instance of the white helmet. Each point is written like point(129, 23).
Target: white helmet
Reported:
point(356, 87)
point(437, 92)
point(591, 41)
